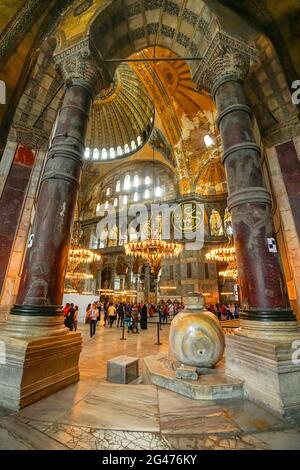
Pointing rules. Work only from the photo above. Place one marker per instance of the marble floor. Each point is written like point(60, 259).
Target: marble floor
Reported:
point(95, 414)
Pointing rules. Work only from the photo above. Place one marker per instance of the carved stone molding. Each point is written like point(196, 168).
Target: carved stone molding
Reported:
point(281, 133)
point(80, 64)
point(30, 136)
point(226, 56)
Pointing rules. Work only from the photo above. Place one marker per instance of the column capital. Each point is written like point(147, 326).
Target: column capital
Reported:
point(226, 58)
point(81, 64)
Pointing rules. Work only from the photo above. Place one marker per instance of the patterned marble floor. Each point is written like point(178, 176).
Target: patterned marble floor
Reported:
point(94, 414)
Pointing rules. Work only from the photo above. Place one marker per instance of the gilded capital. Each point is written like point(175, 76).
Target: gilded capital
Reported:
point(226, 56)
point(80, 64)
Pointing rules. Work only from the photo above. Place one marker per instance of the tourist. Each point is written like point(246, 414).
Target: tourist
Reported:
point(66, 311)
point(75, 321)
point(112, 314)
point(121, 313)
point(135, 319)
point(93, 319)
point(143, 314)
point(87, 313)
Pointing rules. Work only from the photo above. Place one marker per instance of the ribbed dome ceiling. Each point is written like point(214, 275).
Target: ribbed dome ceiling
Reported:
point(121, 119)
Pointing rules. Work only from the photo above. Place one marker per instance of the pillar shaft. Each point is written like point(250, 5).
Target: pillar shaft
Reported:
point(260, 276)
point(43, 275)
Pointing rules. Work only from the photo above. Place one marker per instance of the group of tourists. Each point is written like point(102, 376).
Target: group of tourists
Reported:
point(225, 311)
point(71, 316)
point(135, 316)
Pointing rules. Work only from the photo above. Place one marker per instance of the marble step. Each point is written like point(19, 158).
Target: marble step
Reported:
point(212, 384)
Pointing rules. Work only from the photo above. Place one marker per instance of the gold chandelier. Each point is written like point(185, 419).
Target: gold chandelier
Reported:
point(225, 254)
point(153, 250)
point(79, 276)
point(229, 273)
point(79, 256)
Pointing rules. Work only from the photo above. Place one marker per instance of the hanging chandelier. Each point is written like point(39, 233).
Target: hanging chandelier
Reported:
point(79, 276)
point(229, 273)
point(77, 254)
point(153, 250)
point(224, 254)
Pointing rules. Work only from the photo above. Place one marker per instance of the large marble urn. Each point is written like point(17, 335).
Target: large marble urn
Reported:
point(196, 336)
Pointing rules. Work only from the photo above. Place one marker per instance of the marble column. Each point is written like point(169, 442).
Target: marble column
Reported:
point(147, 282)
point(41, 355)
point(129, 274)
point(266, 317)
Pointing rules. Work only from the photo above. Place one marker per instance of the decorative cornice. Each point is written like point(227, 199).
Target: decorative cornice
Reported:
point(80, 64)
point(18, 27)
point(226, 56)
point(31, 136)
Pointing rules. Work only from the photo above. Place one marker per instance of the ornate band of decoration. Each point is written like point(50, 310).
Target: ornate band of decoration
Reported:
point(227, 58)
point(249, 195)
point(268, 315)
point(80, 65)
point(54, 175)
point(239, 147)
point(30, 136)
point(232, 109)
point(37, 310)
point(19, 26)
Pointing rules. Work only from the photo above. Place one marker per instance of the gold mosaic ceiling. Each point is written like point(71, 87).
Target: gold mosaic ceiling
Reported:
point(121, 119)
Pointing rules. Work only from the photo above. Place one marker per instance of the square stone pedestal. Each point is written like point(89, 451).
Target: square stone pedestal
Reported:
point(122, 369)
point(32, 368)
point(269, 370)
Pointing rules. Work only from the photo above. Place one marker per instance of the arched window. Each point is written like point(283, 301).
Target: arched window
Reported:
point(126, 148)
point(125, 199)
point(108, 192)
point(139, 140)
point(135, 197)
point(119, 151)
point(158, 191)
point(136, 181)
point(208, 140)
point(106, 205)
point(116, 202)
point(87, 153)
point(133, 145)
point(147, 194)
point(95, 154)
point(118, 186)
point(104, 154)
point(147, 180)
point(112, 153)
point(98, 207)
point(127, 182)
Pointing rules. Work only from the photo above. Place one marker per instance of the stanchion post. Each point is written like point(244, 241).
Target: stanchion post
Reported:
point(158, 342)
point(123, 331)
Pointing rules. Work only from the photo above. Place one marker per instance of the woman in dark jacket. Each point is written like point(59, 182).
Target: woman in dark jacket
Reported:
point(143, 320)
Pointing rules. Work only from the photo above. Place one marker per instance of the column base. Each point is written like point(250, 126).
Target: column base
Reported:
point(270, 370)
point(33, 365)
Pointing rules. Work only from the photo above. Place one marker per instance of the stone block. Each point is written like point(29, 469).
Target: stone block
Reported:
point(186, 372)
point(122, 369)
point(271, 375)
point(35, 367)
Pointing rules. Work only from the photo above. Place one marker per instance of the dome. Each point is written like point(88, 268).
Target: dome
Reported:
point(121, 120)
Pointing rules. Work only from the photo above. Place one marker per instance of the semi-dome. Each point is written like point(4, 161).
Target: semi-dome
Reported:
point(121, 120)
